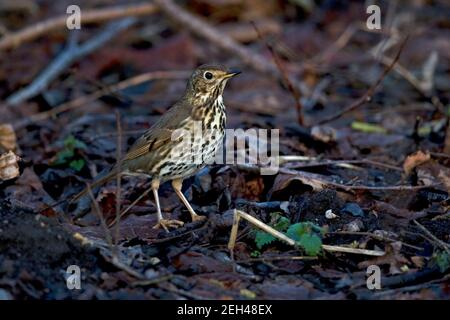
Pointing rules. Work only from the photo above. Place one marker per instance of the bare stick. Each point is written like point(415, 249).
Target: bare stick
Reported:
point(294, 158)
point(101, 218)
point(439, 242)
point(286, 79)
point(369, 93)
point(15, 39)
point(281, 236)
point(85, 100)
point(117, 219)
point(119, 176)
point(318, 182)
point(114, 260)
point(70, 54)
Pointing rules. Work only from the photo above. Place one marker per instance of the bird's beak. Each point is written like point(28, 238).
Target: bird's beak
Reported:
point(231, 74)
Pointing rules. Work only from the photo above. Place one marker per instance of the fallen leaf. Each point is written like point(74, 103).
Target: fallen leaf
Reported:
point(8, 139)
point(9, 167)
point(415, 160)
point(393, 258)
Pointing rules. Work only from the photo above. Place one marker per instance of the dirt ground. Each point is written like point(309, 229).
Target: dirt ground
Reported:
point(375, 178)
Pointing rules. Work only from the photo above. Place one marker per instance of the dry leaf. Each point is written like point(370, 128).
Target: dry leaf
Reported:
point(444, 176)
point(8, 139)
point(9, 167)
point(414, 160)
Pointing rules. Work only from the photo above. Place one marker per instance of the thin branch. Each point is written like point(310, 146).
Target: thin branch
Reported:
point(85, 100)
point(68, 56)
point(117, 219)
point(438, 241)
point(369, 93)
point(286, 79)
point(15, 39)
point(100, 216)
point(318, 182)
point(119, 176)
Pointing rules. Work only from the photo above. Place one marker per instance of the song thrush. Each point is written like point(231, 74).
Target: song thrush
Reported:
point(152, 154)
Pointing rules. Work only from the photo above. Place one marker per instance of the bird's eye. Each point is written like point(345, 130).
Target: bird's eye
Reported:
point(208, 75)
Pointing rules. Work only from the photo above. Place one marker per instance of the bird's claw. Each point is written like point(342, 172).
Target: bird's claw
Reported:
point(167, 223)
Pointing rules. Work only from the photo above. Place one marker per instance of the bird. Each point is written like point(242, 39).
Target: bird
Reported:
point(164, 154)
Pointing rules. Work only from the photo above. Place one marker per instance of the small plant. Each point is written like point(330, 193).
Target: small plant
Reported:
point(279, 223)
point(307, 235)
point(68, 155)
point(442, 260)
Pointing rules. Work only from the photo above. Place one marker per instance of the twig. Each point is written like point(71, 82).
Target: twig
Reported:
point(89, 16)
point(285, 159)
point(375, 236)
point(101, 218)
point(441, 243)
point(368, 95)
point(85, 100)
point(286, 79)
point(119, 176)
point(69, 55)
point(263, 259)
point(340, 43)
point(223, 41)
point(318, 182)
point(114, 259)
point(117, 219)
point(281, 236)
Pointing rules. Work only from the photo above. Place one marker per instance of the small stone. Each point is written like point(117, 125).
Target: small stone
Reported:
point(354, 209)
point(354, 226)
point(154, 261)
point(329, 214)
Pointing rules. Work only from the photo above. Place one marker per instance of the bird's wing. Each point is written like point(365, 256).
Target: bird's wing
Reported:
point(161, 132)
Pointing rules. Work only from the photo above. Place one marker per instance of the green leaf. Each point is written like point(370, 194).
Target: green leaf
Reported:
point(77, 165)
point(367, 127)
point(307, 235)
point(442, 260)
point(263, 238)
point(64, 155)
point(296, 230)
point(282, 224)
point(311, 243)
point(255, 254)
point(279, 223)
point(72, 143)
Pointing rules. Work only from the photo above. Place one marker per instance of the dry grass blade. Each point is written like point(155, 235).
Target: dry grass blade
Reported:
point(282, 237)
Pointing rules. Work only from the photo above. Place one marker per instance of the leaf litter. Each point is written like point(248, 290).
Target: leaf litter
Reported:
point(375, 179)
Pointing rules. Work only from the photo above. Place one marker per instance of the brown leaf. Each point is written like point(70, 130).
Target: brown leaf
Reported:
point(9, 167)
point(414, 160)
point(393, 258)
point(8, 139)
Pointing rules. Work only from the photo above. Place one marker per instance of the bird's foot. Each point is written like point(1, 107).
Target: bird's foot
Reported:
point(198, 218)
point(167, 223)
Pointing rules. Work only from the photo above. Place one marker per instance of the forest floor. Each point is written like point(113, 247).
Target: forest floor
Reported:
point(374, 179)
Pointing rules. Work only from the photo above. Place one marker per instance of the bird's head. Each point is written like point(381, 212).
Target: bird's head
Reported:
point(207, 83)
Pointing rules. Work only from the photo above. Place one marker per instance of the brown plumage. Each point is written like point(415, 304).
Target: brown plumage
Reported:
point(182, 141)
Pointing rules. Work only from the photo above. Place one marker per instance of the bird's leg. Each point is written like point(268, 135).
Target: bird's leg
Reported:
point(164, 223)
point(177, 184)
